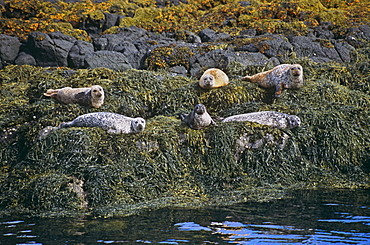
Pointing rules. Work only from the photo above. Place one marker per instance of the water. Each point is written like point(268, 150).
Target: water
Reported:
point(309, 217)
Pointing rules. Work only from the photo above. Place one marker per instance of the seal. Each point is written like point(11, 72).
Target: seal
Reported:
point(111, 122)
point(213, 78)
point(198, 118)
point(269, 118)
point(280, 77)
point(92, 96)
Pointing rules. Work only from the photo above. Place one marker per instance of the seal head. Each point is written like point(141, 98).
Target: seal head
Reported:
point(138, 125)
point(293, 121)
point(213, 78)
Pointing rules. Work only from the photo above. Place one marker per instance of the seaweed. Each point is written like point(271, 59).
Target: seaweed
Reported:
point(87, 170)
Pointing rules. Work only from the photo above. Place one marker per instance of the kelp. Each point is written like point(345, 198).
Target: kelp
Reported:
point(87, 170)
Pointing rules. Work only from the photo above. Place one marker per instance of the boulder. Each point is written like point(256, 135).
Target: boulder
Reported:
point(208, 35)
point(108, 59)
point(9, 48)
point(78, 52)
point(319, 50)
point(50, 49)
point(25, 59)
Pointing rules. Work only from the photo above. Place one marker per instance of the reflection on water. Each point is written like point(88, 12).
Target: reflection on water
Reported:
point(309, 217)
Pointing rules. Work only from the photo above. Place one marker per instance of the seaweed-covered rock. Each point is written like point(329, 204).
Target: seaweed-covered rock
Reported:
point(91, 171)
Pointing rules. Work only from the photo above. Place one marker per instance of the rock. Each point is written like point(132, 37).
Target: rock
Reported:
point(163, 3)
point(275, 46)
point(94, 23)
point(192, 37)
point(178, 70)
point(108, 59)
point(323, 31)
point(319, 50)
point(208, 35)
point(78, 52)
point(358, 36)
point(50, 50)
point(246, 59)
point(215, 58)
point(9, 48)
point(249, 32)
point(25, 59)
point(111, 20)
point(346, 52)
point(130, 41)
point(133, 55)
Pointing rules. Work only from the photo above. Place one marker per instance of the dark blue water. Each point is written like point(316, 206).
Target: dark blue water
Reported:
point(309, 217)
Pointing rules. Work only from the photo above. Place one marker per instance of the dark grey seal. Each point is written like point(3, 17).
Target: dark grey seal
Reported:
point(198, 118)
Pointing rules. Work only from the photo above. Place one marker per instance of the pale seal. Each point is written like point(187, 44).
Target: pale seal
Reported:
point(92, 96)
point(111, 122)
point(213, 78)
point(269, 118)
point(198, 118)
point(280, 77)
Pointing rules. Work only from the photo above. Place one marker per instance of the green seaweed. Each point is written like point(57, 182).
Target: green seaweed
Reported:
point(87, 170)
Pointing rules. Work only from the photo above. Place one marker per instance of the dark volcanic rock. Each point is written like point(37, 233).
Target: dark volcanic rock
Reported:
point(111, 20)
point(25, 59)
point(208, 35)
point(275, 46)
point(164, 3)
point(319, 50)
point(346, 52)
point(358, 36)
point(50, 50)
point(108, 59)
point(78, 52)
point(9, 48)
point(132, 42)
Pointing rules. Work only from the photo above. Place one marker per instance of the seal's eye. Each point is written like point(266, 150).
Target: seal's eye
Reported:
point(95, 90)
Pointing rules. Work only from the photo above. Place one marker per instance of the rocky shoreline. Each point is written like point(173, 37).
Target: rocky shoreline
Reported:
point(136, 48)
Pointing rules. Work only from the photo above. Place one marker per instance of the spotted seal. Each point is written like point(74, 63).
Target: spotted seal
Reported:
point(280, 77)
point(213, 78)
point(92, 96)
point(269, 118)
point(111, 122)
point(198, 118)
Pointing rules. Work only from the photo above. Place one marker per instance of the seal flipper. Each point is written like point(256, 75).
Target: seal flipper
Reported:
point(51, 93)
point(213, 122)
point(183, 116)
point(246, 78)
point(278, 90)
